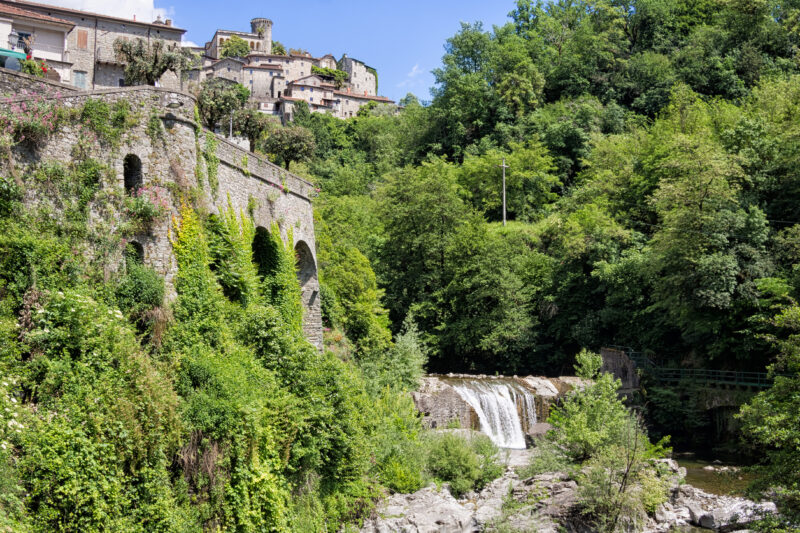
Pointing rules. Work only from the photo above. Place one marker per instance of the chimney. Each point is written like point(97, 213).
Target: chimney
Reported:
point(168, 22)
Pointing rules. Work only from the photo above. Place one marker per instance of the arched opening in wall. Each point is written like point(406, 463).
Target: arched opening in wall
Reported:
point(132, 171)
point(265, 252)
point(134, 253)
point(306, 268)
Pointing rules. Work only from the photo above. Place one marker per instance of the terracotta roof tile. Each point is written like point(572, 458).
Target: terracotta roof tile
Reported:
point(68, 11)
point(19, 12)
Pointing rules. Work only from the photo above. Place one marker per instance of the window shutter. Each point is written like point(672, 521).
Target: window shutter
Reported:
point(83, 39)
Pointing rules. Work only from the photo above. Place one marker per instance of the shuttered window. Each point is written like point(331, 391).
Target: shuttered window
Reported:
point(83, 39)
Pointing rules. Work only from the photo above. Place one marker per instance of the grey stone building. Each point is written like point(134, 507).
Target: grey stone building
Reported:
point(278, 82)
point(87, 53)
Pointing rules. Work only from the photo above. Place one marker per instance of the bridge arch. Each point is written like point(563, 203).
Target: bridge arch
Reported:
point(306, 266)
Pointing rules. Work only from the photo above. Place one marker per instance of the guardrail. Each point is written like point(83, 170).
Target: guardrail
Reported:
point(734, 378)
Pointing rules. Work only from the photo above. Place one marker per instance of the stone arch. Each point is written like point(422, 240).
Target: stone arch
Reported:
point(134, 253)
point(132, 171)
point(306, 267)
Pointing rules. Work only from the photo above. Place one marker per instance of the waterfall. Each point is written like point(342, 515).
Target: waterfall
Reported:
point(505, 408)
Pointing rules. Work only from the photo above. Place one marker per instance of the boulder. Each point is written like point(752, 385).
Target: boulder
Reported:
point(428, 510)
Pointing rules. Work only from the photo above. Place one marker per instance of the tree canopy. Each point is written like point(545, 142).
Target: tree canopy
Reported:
point(145, 62)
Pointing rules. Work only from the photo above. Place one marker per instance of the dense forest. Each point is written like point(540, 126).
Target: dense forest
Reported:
point(653, 152)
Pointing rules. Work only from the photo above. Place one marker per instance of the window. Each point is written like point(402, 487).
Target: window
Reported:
point(132, 172)
point(312, 98)
point(21, 36)
point(251, 82)
point(122, 82)
point(80, 79)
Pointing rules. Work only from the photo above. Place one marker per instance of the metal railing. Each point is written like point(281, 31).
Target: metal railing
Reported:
point(698, 375)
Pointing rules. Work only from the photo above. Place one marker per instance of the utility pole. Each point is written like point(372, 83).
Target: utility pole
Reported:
point(504, 167)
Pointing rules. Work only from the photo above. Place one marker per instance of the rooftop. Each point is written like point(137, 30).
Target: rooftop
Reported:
point(15, 11)
point(77, 12)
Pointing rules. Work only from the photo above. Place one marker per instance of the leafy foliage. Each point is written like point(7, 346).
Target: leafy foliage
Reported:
point(219, 98)
point(234, 46)
point(289, 144)
point(145, 62)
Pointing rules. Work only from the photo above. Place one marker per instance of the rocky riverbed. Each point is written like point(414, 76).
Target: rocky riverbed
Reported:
point(547, 503)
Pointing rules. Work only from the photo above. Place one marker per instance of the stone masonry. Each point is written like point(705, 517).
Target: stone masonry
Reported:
point(253, 184)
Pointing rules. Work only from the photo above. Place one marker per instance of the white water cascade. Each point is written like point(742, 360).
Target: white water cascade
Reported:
point(504, 408)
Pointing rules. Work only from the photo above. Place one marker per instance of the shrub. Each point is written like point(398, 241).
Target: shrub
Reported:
point(617, 482)
point(401, 365)
point(146, 206)
point(31, 121)
point(34, 67)
point(10, 195)
point(398, 450)
point(106, 423)
point(139, 290)
point(547, 457)
point(465, 464)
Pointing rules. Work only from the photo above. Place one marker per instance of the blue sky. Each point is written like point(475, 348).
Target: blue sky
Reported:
point(403, 40)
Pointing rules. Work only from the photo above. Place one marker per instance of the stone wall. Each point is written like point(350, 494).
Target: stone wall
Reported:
point(14, 84)
point(618, 363)
point(248, 181)
point(441, 406)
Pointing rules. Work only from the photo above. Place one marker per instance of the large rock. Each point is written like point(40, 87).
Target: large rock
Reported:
point(428, 510)
point(719, 513)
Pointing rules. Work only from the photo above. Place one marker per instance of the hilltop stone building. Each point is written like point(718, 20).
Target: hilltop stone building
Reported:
point(80, 45)
point(278, 82)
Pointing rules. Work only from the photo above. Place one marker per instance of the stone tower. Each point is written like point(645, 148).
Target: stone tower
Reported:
point(263, 27)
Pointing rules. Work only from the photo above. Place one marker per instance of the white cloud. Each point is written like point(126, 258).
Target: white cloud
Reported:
point(189, 43)
point(415, 71)
point(143, 10)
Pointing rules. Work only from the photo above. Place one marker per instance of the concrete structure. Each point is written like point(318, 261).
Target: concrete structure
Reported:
point(278, 82)
point(178, 160)
point(87, 53)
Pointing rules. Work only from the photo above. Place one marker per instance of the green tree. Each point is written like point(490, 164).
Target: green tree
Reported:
point(770, 419)
point(219, 98)
point(278, 48)
point(531, 181)
point(252, 124)
point(288, 144)
point(145, 62)
point(235, 46)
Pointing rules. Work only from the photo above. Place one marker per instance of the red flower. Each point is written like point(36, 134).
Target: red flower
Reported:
point(44, 69)
point(28, 57)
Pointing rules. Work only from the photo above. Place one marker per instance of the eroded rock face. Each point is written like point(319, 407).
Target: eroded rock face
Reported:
point(549, 503)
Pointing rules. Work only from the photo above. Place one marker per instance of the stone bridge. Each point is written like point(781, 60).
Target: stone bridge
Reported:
point(184, 158)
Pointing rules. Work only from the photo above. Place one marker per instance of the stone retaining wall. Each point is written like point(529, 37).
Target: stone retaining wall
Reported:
point(252, 184)
point(13, 83)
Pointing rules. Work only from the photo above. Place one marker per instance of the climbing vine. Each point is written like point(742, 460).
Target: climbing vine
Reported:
point(212, 162)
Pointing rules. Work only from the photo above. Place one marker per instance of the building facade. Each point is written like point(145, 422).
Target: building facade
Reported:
point(278, 82)
point(87, 50)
